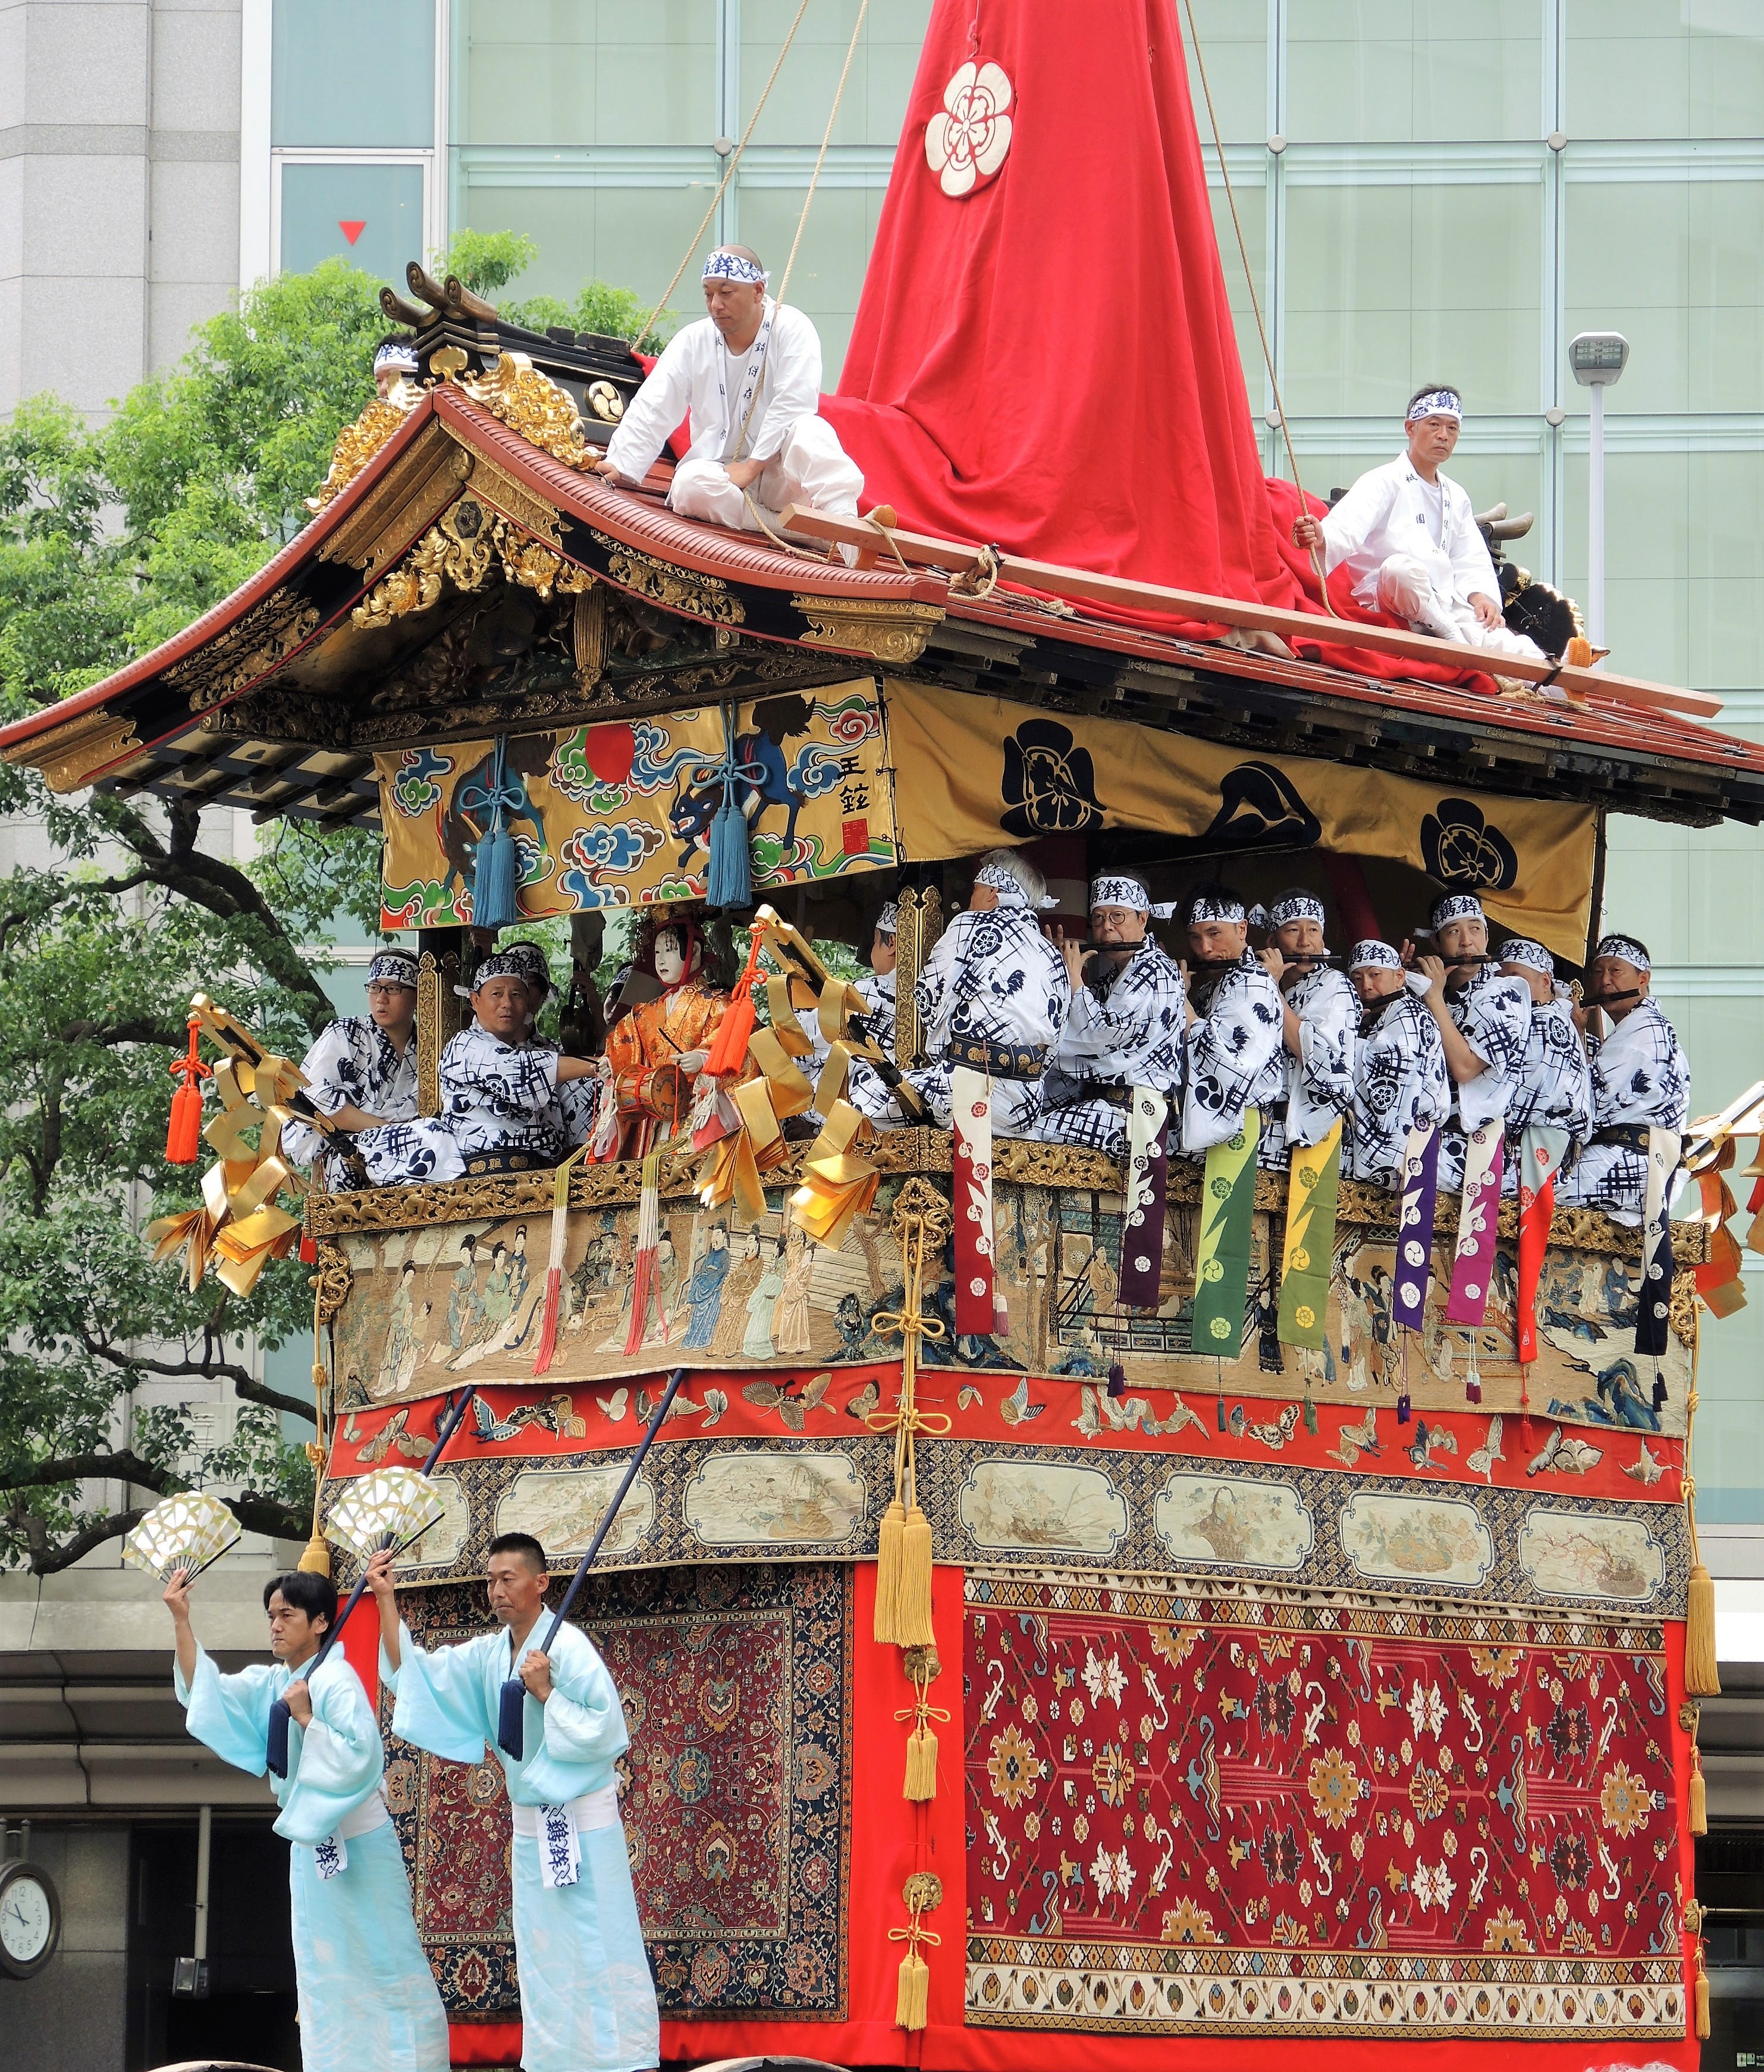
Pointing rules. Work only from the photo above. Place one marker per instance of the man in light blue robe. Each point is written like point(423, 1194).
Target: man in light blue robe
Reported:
point(367, 1996)
point(587, 2001)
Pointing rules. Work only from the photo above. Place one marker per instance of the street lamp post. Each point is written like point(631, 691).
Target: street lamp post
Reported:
point(1597, 358)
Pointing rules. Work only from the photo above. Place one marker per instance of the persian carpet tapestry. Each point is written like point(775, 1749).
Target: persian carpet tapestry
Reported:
point(1245, 1811)
point(736, 1688)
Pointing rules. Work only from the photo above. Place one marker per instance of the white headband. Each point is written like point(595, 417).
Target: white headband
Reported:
point(1214, 906)
point(1522, 949)
point(1437, 403)
point(400, 356)
point(1458, 907)
point(399, 966)
point(1298, 907)
point(1625, 947)
point(1130, 893)
point(731, 266)
point(1369, 954)
point(1009, 887)
point(887, 922)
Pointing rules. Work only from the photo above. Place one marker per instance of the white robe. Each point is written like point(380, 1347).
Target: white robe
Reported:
point(1320, 1079)
point(991, 977)
point(1233, 1058)
point(353, 1064)
point(1555, 1088)
point(1639, 1076)
point(1127, 1033)
point(1414, 549)
point(1493, 1014)
point(1400, 1084)
point(698, 377)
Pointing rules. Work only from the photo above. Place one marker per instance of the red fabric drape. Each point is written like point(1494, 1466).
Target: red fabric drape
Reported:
point(1050, 363)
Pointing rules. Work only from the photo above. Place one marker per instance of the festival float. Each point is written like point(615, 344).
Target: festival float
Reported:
point(1242, 1662)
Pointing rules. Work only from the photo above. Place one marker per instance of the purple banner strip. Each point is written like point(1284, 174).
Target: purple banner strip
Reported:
point(1141, 1226)
point(1415, 1228)
point(1478, 1215)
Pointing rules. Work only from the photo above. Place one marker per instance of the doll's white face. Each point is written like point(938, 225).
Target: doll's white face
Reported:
point(669, 957)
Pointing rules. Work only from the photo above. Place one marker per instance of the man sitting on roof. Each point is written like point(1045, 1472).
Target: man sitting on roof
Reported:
point(992, 997)
point(1640, 1081)
point(1232, 1057)
point(749, 375)
point(362, 1072)
point(395, 360)
point(1411, 541)
point(1124, 1028)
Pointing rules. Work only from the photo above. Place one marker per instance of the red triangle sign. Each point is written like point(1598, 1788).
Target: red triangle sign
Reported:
point(352, 231)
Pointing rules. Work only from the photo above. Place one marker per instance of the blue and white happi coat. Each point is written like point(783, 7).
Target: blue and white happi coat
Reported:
point(1233, 1060)
point(1400, 1084)
point(991, 977)
point(353, 1064)
point(367, 1994)
point(1555, 1089)
point(1493, 1014)
point(494, 1097)
point(1640, 1078)
point(1124, 1030)
point(587, 2002)
point(864, 1090)
point(1320, 1079)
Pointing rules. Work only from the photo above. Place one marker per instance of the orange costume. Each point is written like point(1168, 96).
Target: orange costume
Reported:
point(644, 1048)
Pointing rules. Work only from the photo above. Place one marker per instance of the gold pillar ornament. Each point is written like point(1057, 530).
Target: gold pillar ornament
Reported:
point(922, 1893)
point(922, 1225)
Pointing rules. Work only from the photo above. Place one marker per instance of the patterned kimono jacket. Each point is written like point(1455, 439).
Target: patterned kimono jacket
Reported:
point(587, 2003)
point(1125, 1032)
point(353, 1064)
point(367, 1994)
point(877, 988)
point(993, 997)
point(643, 1049)
point(1234, 1059)
point(1320, 1079)
point(1555, 1088)
point(495, 1097)
point(1400, 1083)
point(1640, 1079)
point(1493, 1016)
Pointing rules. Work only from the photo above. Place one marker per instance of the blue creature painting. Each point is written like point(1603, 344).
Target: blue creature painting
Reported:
point(765, 777)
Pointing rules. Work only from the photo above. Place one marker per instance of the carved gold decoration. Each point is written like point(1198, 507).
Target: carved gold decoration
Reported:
point(909, 962)
point(461, 552)
point(438, 1019)
point(923, 1891)
point(1683, 1314)
point(358, 443)
point(68, 755)
point(532, 404)
point(704, 597)
point(409, 497)
point(588, 636)
point(891, 631)
point(331, 1284)
point(448, 362)
point(604, 401)
point(516, 501)
point(252, 646)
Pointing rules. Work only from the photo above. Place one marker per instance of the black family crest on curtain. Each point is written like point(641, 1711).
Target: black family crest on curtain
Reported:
point(1463, 851)
point(1049, 784)
point(1259, 807)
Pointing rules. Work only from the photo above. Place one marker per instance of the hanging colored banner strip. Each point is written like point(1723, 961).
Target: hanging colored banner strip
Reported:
point(1141, 1221)
point(970, 1114)
point(1473, 1263)
point(1415, 1228)
point(1311, 1241)
point(1539, 1161)
point(1228, 1201)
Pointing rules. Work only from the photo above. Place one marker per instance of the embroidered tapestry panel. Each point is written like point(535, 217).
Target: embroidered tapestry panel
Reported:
point(1254, 1812)
point(736, 1688)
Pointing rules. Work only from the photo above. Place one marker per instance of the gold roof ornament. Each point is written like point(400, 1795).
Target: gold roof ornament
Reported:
point(358, 443)
point(533, 404)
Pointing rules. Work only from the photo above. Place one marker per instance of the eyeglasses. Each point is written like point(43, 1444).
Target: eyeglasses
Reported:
point(384, 989)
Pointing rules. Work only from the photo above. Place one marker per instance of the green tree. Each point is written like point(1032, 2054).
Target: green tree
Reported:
point(487, 261)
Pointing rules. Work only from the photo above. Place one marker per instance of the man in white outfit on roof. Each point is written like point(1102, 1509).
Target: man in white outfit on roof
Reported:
point(749, 376)
point(1408, 536)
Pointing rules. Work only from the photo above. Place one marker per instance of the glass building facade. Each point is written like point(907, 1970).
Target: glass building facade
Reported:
point(1426, 193)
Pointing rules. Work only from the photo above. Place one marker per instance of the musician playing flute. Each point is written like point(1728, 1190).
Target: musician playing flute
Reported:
point(1641, 1080)
point(1233, 1058)
point(587, 2003)
point(1484, 1019)
point(1319, 1015)
point(366, 1995)
point(1400, 1083)
point(1124, 1024)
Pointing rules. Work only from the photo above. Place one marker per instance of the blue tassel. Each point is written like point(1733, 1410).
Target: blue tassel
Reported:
point(510, 1719)
point(1118, 1379)
point(275, 1738)
point(729, 881)
point(494, 904)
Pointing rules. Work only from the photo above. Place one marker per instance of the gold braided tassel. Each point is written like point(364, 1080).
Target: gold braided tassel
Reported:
point(904, 1551)
point(923, 1891)
point(1702, 1995)
point(316, 1560)
point(921, 1740)
point(1702, 1677)
point(1695, 1794)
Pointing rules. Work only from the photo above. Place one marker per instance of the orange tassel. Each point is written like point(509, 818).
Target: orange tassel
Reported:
point(183, 1132)
point(729, 1045)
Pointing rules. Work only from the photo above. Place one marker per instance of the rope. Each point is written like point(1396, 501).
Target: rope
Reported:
point(1249, 281)
point(729, 174)
point(808, 202)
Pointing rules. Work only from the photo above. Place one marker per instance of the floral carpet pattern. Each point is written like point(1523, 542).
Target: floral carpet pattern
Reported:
point(1193, 1808)
point(736, 1688)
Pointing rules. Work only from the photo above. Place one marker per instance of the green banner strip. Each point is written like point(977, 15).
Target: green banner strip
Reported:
point(1227, 1202)
point(1311, 1241)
